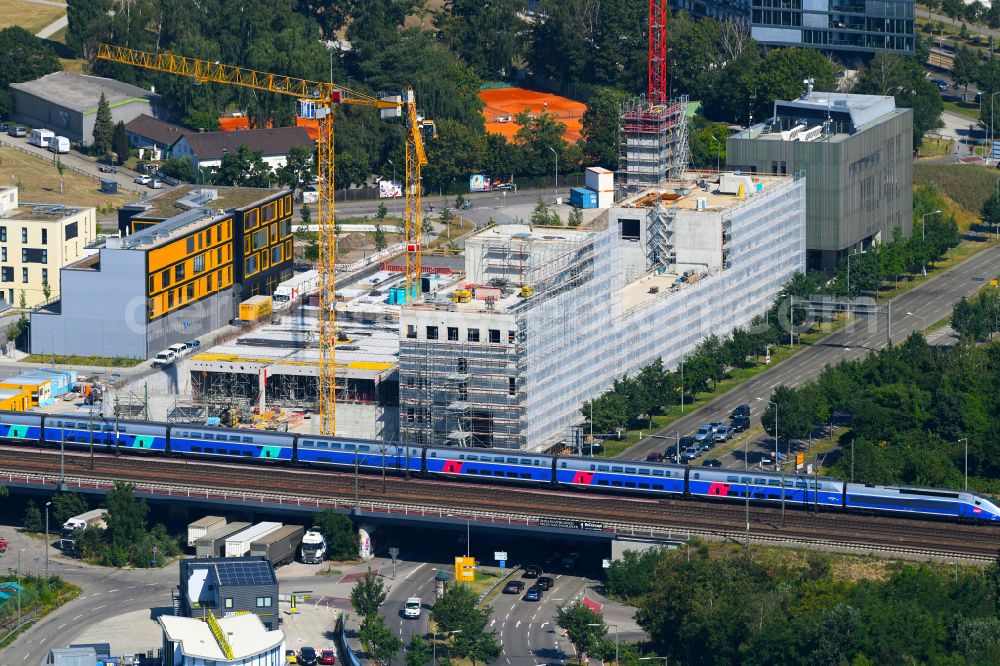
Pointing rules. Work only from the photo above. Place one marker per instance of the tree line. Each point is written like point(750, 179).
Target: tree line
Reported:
point(714, 606)
point(977, 318)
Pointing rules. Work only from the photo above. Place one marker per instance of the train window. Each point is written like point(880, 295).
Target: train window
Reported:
point(760, 482)
point(592, 467)
point(433, 454)
point(697, 475)
point(630, 470)
point(461, 456)
point(247, 440)
point(208, 435)
point(616, 468)
point(603, 468)
point(732, 478)
point(746, 479)
point(196, 449)
point(234, 438)
point(563, 465)
point(513, 461)
point(629, 484)
point(616, 484)
point(350, 447)
point(471, 457)
point(246, 454)
point(644, 486)
point(364, 448)
point(774, 482)
point(335, 446)
point(657, 472)
point(512, 475)
point(234, 452)
point(525, 476)
point(658, 486)
point(644, 472)
point(602, 482)
point(497, 472)
point(800, 484)
point(307, 443)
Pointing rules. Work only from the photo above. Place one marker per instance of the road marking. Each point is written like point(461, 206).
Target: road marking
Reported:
point(518, 624)
point(97, 594)
point(26, 656)
point(507, 616)
point(76, 618)
point(128, 600)
point(112, 591)
point(98, 608)
point(544, 624)
point(493, 621)
point(60, 626)
point(43, 640)
point(130, 587)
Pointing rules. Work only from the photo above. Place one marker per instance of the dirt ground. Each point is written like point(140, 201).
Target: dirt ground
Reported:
point(502, 103)
point(38, 181)
point(30, 16)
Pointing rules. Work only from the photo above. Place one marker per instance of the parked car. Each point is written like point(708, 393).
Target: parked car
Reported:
point(4, 127)
point(534, 593)
point(532, 571)
point(705, 431)
point(715, 425)
point(940, 83)
point(328, 657)
point(156, 184)
point(654, 456)
point(143, 180)
point(307, 656)
point(194, 344)
point(411, 609)
point(741, 410)
point(712, 462)
point(16, 130)
point(290, 656)
point(104, 168)
point(514, 587)
point(179, 349)
point(545, 583)
point(164, 358)
point(723, 434)
point(740, 423)
point(691, 453)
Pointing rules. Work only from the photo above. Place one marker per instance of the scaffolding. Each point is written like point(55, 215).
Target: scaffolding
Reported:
point(660, 251)
point(653, 140)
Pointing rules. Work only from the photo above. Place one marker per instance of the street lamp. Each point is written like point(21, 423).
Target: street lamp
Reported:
point(557, 167)
point(47, 505)
point(923, 236)
point(992, 133)
point(718, 151)
point(922, 319)
point(601, 624)
point(849, 270)
point(966, 440)
point(775, 405)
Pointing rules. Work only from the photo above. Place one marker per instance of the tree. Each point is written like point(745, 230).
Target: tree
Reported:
point(46, 290)
point(600, 131)
point(126, 518)
point(342, 541)
point(32, 518)
point(795, 419)
point(991, 209)
point(892, 74)
point(459, 202)
point(368, 594)
point(577, 619)
point(383, 644)
point(67, 505)
point(61, 168)
point(446, 217)
point(543, 215)
point(86, 25)
point(418, 653)
point(23, 57)
point(178, 168)
point(246, 168)
point(306, 214)
point(104, 127)
point(453, 609)
point(379, 239)
point(119, 143)
point(298, 168)
point(382, 212)
point(489, 36)
point(476, 642)
point(575, 217)
point(965, 69)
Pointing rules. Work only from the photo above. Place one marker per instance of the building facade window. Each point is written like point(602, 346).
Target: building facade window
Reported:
point(494, 336)
point(229, 602)
point(3, 234)
point(24, 275)
point(45, 236)
point(45, 275)
point(179, 272)
point(453, 334)
point(473, 334)
point(3, 254)
point(24, 234)
point(199, 263)
point(263, 602)
point(432, 332)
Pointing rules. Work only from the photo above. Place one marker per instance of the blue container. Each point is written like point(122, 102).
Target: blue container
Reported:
point(583, 197)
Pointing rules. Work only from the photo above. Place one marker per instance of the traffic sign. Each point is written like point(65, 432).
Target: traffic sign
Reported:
point(500, 555)
point(503, 564)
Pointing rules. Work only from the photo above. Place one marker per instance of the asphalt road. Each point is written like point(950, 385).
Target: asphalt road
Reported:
point(928, 303)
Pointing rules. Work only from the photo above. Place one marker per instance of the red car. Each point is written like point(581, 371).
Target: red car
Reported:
point(328, 657)
point(3, 546)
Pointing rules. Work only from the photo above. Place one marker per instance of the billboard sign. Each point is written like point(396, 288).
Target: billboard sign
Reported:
point(389, 190)
point(465, 569)
point(479, 182)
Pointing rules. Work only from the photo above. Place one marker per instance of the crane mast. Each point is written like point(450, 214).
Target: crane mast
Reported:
point(316, 100)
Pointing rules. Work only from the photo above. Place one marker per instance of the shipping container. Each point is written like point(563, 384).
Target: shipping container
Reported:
point(255, 308)
point(200, 528)
point(581, 197)
point(298, 286)
point(280, 545)
point(599, 179)
point(213, 544)
point(238, 544)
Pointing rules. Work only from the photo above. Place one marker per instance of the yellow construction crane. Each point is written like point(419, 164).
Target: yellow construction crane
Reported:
point(315, 101)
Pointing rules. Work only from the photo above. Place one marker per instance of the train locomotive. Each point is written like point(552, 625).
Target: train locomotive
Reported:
point(497, 466)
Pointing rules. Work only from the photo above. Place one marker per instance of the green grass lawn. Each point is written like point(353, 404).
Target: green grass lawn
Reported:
point(115, 362)
point(936, 147)
point(970, 111)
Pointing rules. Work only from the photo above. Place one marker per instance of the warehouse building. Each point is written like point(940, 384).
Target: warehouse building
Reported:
point(855, 151)
point(36, 240)
point(67, 103)
point(550, 317)
point(184, 261)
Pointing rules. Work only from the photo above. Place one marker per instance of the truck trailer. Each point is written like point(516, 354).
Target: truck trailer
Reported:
point(280, 545)
point(200, 528)
point(213, 544)
point(238, 544)
point(72, 527)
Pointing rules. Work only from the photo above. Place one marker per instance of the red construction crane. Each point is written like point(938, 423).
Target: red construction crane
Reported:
point(657, 93)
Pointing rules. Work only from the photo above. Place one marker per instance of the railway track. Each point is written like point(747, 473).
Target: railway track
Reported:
point(712, 520)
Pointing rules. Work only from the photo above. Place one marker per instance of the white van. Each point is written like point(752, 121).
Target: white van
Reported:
point(41, 137)
point(59, 144)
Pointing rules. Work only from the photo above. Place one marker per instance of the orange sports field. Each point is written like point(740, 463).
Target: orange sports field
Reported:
point(502, 104)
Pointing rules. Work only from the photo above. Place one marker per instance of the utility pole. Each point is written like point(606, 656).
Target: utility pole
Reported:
point(966, 440)
point(47, 505)
point(90, 428)
point(775, 405)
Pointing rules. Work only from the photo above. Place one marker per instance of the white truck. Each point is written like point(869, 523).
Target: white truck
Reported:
point(72, 527)
point(300, 285)
point(41, 137)
point(313, 547)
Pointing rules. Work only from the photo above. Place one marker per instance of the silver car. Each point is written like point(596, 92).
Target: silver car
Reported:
point(723, 433)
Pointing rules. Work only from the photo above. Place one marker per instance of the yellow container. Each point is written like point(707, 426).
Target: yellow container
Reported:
point(255, 308)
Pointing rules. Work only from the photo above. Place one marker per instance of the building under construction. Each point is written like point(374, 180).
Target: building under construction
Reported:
point(549, 317)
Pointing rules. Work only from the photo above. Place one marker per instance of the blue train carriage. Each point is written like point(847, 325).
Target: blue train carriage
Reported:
point(20, 427)
point(197, 441)
point(619, 474)
point(765, 486)
point(366, 454)
point(921, 501)
point(488, 464)
point(78, 431)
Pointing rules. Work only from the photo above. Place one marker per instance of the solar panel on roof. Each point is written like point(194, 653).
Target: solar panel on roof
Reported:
point(245, 573)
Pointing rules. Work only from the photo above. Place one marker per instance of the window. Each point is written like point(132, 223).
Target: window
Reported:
point(263, 602)
point(24, 275)
point(463, 365)
point(201, 238)
point(511, 386)
point(3, 254)
point(432, 332)
point(629, 229)
point(229, 602)
point(45, 256)
point(179, 272)
point(218, 256)
point(24, 255)
point(269, 212)
point(45, 236)
point(250, 220)
point(274, 232)
point(250, 265)
point(453, 333)
point(165, 276)
point(71, 230)
point(7, 275)
point(411, 331)
point(511, 336)
point(3, 234)
point(24, 234)
point(199, 263)
point(275, 255)
point(218, 280)
point(473, 335)
point(218, 233)
point(259, 239)
point(45, 275)
point(190, 290)
point(190, 244)
point(494, 336)
point(286, 228)
point(170, 298)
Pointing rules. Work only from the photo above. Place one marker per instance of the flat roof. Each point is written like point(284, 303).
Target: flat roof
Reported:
point(649, 287)
point(165, 204)
point(41, 212)
point(533, 233)
point(246, 635)
point(684, 194)
point(81, 93)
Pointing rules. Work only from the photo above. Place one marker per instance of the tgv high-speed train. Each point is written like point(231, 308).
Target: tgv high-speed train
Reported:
point(497, 466)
